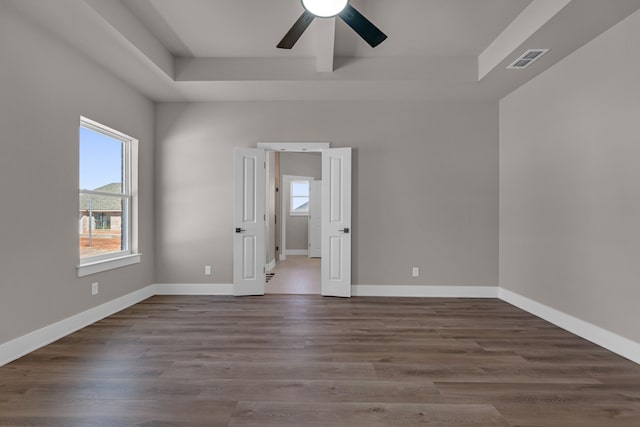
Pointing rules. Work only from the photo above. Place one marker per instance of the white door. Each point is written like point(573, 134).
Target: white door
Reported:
point(336, 222)
point(249, 221)
point(315, 225)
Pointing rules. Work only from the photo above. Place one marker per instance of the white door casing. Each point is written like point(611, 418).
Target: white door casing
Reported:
point(336, 222)
point(315, 215)
point(249, 221)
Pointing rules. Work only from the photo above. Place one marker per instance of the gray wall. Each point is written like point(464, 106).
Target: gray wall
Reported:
point(569, 193)
point(425, 185)
point(44, 88)
point(299, 164)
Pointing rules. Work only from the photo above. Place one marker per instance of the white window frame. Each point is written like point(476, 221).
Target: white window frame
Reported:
point(96, 264)
point(291, 196)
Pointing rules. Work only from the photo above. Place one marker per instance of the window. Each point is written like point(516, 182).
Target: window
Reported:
point(103, 220)
point(107, 181)
point(299, 203)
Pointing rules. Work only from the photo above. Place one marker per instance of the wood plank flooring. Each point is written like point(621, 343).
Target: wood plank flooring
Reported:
point(297, 360)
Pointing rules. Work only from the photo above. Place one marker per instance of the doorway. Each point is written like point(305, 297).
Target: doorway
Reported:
point(250, 222)
point(297, 199)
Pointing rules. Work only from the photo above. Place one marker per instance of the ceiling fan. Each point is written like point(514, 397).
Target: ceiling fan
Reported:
point(327, 9)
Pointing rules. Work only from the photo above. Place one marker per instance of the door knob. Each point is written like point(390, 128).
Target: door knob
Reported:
point(240, 230)
point(344, 230)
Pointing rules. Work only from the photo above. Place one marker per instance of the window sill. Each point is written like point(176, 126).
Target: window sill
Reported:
point(298, 213)
point(108, 264)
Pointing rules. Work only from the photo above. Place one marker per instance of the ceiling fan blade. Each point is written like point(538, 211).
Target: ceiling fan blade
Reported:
point(361, 25)
point(290, 39)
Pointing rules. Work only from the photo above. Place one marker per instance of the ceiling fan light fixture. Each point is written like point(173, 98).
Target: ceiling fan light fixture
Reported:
point(324, 8)
point(327, 9)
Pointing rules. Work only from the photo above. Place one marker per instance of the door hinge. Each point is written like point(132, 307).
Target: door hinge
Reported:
point(277, 189)
point(277, 248)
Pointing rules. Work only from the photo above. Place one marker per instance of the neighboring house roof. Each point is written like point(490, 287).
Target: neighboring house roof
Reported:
point(302, 207)
point(101, 203)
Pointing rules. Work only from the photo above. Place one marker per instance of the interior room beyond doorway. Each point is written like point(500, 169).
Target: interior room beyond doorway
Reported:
point(295, 271)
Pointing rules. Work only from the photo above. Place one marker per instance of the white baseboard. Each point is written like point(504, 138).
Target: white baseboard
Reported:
point(193, 289)
point(271, 265)
point(32, 341)
point(297, 252)
point(424, 291)
point(283, 257)
point(597, 335)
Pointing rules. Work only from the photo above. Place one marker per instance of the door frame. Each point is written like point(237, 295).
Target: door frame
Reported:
point(298, 147)
point(290, 147)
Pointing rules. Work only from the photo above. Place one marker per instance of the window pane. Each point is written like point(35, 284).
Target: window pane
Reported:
point(300, 188)
point(102, 225)
point(101, 162)
point(300, 204)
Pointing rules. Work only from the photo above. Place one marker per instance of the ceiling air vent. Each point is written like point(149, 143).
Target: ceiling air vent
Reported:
point(527, 59)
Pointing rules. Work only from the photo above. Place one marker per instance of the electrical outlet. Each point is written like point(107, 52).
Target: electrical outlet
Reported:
point(94, 288)
point(207, 270)
point(415, 272)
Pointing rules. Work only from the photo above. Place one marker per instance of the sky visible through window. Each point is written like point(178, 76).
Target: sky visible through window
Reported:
point(299, 195)
point(100, 159)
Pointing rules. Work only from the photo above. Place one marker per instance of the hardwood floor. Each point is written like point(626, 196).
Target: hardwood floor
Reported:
point(292, 360)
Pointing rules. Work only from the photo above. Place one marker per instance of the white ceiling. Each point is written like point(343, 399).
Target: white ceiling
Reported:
point(206, 50)
point(252, 28)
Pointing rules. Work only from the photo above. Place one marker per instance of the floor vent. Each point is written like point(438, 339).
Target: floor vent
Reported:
point(527, 59)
